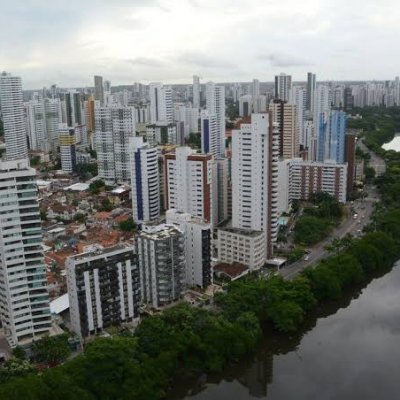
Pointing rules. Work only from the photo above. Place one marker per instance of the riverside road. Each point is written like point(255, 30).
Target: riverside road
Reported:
point(351, 225)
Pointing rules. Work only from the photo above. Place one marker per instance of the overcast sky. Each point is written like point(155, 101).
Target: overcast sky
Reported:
point(68, 41)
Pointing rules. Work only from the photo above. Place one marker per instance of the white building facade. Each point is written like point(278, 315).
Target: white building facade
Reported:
point(161, 256)
point(144, 181)
point(24, 301)
point(255, 151)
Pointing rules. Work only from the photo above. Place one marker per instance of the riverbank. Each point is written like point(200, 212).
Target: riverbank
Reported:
point(141, 366)
point(347, 349)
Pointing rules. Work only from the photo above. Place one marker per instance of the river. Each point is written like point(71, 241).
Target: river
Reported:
point(394, 144)
point(350, 349)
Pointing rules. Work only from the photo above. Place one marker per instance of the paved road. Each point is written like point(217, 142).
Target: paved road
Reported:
point(350, 225)
point(376, 162)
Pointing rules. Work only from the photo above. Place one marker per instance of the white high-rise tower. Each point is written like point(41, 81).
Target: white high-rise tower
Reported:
point(144, 180)
point(196, 91)
point(283, 86)
point(24, 301)
point(161, 107)
point(255, 152)
point(215, 103)
point(12, 111)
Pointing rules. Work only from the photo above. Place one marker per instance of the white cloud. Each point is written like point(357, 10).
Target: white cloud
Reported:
point(67, 42)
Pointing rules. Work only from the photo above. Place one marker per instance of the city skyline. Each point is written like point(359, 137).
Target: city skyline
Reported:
point(55, 43)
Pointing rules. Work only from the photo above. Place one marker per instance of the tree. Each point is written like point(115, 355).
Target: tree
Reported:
point(80, 217)
point(128, 225)
point(35, 161)
point(295, 206)
point(194, 140)
point(86, 170)
point(324, 282)
point(51, 350)
point(106, 205)
point(286, 316)
point(15, 367)
point(369, 174)
point(96, 186)
point(310, 229)
point(339, 244)
point(19, 352)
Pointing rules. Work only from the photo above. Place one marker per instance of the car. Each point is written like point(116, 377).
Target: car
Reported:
point(306, 257)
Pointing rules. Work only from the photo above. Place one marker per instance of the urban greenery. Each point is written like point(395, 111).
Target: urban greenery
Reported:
point(97, 186)
point(141, 366)
point(318, 219)
point(86, 171)
point(194, 140)
point(128, 225)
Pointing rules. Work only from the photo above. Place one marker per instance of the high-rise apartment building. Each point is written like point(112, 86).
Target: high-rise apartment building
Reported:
point(299, 179)
point(67, 142)
point(190, 118)
point(349, 99)
point(285, 116)
point(114, 126)
point(145, 181)
point(255, 89)
point(196, 92)
point(42, 117)
point(350, 159)
point(35, 120)
point(245, 105)
point(331, 138)
point(255, 153)
point(75, 114)
point(197, 235)
point(12, 111)
point(283, 86)
point(103, 289)
point(298, 98)
point(90, 113)
point(98, 89)
point(310, 95)
point(215, 104)
point(52, 108)
point(161, 106)
point(189, 183)
point(210, 140)
point(162, 133)
point(161, 255)
point(24, 301)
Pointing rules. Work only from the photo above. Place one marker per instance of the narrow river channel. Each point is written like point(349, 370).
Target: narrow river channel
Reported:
point(349, 349)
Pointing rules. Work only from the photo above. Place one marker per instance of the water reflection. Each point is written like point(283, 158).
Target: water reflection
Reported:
point(394, 144)
point(347, 350)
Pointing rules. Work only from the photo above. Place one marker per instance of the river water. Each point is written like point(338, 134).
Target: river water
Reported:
point(394, 144)
point(349, 349)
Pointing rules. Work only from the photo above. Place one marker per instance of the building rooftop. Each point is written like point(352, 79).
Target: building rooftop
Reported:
point(244, 232)
point(78, 187)
point(232, 271)
point(100, 252)
point(158, 231)
point(60, 304)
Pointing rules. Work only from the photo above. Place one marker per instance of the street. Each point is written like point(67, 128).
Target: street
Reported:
point(375, 162)
point(350, 225)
